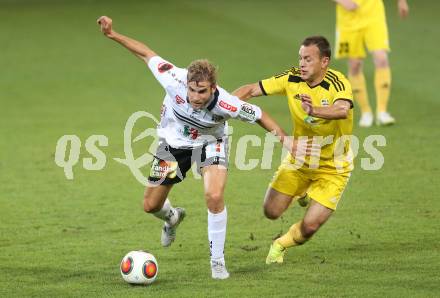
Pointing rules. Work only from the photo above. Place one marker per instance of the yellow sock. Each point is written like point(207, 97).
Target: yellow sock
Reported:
point(360, 93)
point(382, 83)
point(293, 237)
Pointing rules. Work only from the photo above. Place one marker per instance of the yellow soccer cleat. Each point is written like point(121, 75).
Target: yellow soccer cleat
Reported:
point(276, 253)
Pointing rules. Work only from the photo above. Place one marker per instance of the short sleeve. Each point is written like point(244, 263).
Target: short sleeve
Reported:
point(166, 73)
point(342, 91)
point(274, 85)
point(233, 107)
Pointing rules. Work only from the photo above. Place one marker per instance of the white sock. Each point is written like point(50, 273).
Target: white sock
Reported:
point(217, 233)
point(167, 213)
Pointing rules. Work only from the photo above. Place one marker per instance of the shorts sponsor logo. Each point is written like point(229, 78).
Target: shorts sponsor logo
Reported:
point(227, 106)
point(163, 67)
point(163, 169)
point(247, 112)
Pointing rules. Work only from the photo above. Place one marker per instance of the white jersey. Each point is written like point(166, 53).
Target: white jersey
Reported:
point(184, 127)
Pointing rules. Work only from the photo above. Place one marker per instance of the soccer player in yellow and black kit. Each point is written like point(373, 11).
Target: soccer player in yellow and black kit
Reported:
point(320, 103)
point(361, 23)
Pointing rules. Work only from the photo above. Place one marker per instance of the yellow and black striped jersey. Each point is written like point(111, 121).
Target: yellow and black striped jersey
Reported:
point(333, 87)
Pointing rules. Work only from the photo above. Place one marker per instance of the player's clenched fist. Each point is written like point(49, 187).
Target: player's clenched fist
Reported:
point(306, 103)
point(106, 25)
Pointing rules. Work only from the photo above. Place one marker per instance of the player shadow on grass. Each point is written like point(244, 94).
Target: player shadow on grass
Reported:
point(60, 274)
point(249, 269)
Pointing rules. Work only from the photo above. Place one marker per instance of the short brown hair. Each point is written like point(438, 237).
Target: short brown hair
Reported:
point(202, 70)
point(321, 42)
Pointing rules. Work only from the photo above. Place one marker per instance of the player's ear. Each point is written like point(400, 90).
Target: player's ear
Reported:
point(325, 61)
point(213, 87)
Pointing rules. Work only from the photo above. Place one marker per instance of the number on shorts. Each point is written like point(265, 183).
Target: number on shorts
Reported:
point(343, 48)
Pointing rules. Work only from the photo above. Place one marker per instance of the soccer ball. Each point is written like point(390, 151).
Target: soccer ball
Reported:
point(139, 267)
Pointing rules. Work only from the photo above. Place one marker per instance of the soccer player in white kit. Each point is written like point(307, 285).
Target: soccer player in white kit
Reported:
point(192, 129)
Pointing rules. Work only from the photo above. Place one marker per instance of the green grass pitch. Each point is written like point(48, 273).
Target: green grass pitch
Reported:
point(59, 75)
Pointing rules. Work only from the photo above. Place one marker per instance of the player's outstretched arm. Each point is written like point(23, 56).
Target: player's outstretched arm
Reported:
point(139, 49)
point(246, 92)
point(338, 110)
point(270, 125)
point(292, 145)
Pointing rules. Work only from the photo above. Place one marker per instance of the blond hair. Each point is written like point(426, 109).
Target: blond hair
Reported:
point(202, 70)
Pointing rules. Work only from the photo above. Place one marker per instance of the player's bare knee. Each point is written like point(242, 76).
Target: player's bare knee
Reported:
point(381, 63)
point(380, 59)
point(214, 196)
point(355, 67)
point(214, 200)
point(149, 207)
point(270, 213)
point(309, 228)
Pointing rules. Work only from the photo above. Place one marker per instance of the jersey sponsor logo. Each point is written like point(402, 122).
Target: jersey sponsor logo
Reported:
point(227, 106)
point(164, 66)
point(163, 168)
point(191, 132)
point(179, 100)
point(247, 112)
point(324, 102)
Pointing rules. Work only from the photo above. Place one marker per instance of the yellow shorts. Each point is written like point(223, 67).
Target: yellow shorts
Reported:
point(351, 43)
point(324, 188)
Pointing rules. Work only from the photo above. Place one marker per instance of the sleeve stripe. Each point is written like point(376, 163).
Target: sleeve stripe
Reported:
point(347, 100)
point(281, 74)
point(337, 79)
point(332, 80)
point(343, 86)
point(292, 70)
point(262, 88)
